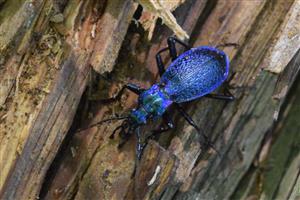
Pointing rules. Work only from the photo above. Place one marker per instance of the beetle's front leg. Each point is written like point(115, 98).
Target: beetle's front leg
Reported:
point(132, 87)
point(139, 144)
point(170, 125)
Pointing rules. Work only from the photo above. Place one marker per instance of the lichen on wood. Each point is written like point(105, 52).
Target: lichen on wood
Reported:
point(288, 41)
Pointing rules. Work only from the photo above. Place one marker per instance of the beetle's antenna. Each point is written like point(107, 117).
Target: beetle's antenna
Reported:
point(122, 128)
point(103, 121)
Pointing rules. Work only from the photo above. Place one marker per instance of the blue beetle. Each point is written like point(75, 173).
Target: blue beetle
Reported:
point(194, 74)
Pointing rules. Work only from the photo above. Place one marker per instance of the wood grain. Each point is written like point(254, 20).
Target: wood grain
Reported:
point(48, 61)
point(43, 85)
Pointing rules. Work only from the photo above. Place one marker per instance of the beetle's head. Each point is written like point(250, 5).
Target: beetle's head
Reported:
point(138, 116)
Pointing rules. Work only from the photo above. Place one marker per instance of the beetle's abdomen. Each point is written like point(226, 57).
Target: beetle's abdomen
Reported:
point(195, 73)
point(152, 103)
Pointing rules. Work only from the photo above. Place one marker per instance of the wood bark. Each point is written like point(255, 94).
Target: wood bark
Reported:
point(59, 57)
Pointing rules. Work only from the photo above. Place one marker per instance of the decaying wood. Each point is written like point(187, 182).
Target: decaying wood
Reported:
point(275, 172)
point(90, 143)
point(45, 68)
point(287, 43)
point(163, 10)
point(42, 82)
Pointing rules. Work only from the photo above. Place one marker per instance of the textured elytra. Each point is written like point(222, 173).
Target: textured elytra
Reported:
point(195, 73)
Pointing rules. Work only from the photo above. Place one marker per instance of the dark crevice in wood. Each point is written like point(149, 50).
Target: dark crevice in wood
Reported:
point(290, 99)
point(210, 5)
point(64, 147)
point(294, 185)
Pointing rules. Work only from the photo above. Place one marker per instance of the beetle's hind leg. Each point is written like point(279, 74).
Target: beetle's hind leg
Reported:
point(227, 95)
point(204, 140)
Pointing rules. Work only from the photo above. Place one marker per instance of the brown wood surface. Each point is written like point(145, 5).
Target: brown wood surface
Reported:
point(47, 61)
point(45, 65)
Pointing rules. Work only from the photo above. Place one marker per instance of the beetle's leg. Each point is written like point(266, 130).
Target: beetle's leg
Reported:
point(159, 62)
point(125, 138)
point(227, 96)
point(173, 52)
point(125, 135)
point(171, 43)
point(139, 144)
point(132, 87)
point(103, 121)
point(204, 140)
point(167, 121)
point(191, 122)
point(112, 136)
point(154, 133)
point(220, 97)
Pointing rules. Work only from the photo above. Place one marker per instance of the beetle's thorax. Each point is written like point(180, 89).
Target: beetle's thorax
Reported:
point(151, 104)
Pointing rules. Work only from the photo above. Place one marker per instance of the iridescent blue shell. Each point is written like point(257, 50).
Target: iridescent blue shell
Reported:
point(195, 73)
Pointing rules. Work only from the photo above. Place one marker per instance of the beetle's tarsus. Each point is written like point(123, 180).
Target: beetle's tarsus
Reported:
point(227, 95)
point(221, 97)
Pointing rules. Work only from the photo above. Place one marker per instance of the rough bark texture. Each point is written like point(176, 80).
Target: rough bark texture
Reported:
point(46, 51)
point(46, 62)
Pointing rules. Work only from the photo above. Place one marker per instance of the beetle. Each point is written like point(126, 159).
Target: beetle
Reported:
point(194, 74)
